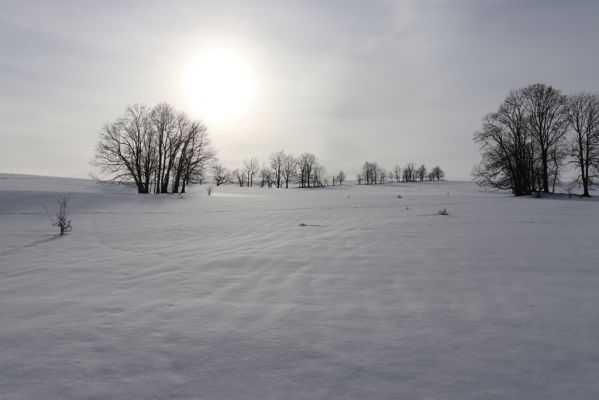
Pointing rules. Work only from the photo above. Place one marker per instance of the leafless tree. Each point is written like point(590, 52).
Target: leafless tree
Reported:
point(547, 113)
point(220, 174)
point(340, 177)
point(195, 154)
point(267, 176)
point(409, 172)
point(421, 172)
point(371, 173)
point(318, 176)
point(306, 164)
point(251, 168)
point(123, 151)
point(437, 174)
point(239, 177)
point(277, 162)
point(61, 218)
point(164, 122)
point(154, 146)
point(381, 174)
point(289, 169)
point(397, 173)
point(508, 148)
point(583, 113)
point(198, 157)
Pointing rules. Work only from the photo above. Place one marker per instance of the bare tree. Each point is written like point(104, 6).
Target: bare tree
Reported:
point(277, 161)
point(397, 173)
point(547, 112)
point(123, 150)
point(289, 169)
point(340, 177)
point(220, 174)
point(198, 157)
point(436, 174)
point(267, 176)
point(164, 120)
point(371, 173)
point(409, 172)
point(583, 113)
point(251, 168)
point(318, 176)
point(421, 172)
point(508, 148)
point(194, 155)
point(61, 218)
point(239, 177)
point(381, 174)
point(306, 164)
point(156, 146)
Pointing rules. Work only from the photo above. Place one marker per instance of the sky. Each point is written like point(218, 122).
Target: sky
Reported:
point(350, 81)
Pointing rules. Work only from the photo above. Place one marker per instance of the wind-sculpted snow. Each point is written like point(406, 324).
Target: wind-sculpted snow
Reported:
point(336, 293)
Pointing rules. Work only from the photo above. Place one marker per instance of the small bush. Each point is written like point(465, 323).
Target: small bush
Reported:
point(443, 212)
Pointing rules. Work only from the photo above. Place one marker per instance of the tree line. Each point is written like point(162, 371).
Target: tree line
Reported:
point(162, 150)
point(281, 170)
point(536, 131)
point(372, 174)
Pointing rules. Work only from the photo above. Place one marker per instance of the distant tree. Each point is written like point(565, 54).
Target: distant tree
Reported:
point(220, 174)
point(381, 174)
point(251, 169)
point(306, 164)
point(583, 116)
point(277, 163)
point(370, 173)
point(318, 177)
point(289, 169)
point(266, 175)
point(239, 177)
point(61, 218)
point(359, 178)
point(436, 174)
point(397, 173)
point(340, 177)
point(409, 172)
point(421, 172)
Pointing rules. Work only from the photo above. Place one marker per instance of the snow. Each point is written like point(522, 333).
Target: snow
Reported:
point(229, 296)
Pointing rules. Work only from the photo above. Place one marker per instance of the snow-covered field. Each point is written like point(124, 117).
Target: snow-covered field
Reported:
point(228, 297)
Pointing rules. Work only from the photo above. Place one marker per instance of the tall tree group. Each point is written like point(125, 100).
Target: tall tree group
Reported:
point(534, 133)
point(158, 148)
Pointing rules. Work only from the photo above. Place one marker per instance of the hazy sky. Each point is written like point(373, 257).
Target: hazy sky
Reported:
point(385, 81)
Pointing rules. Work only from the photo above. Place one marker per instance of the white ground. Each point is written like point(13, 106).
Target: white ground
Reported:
point(227, 297)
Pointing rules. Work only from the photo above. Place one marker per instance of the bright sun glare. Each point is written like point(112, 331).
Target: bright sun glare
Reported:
point(219, 84)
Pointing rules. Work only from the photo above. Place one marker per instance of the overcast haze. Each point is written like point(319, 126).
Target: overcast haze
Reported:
point(350, 81)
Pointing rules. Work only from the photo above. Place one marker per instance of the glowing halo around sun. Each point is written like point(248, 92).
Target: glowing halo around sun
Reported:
point(219, 84)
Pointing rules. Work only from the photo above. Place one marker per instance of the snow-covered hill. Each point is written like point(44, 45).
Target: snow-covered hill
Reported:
point(338, 293)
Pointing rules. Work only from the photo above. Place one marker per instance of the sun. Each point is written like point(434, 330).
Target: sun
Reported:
point(219, 84)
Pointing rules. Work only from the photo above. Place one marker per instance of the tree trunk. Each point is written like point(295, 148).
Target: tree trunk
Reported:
point(545, 172)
